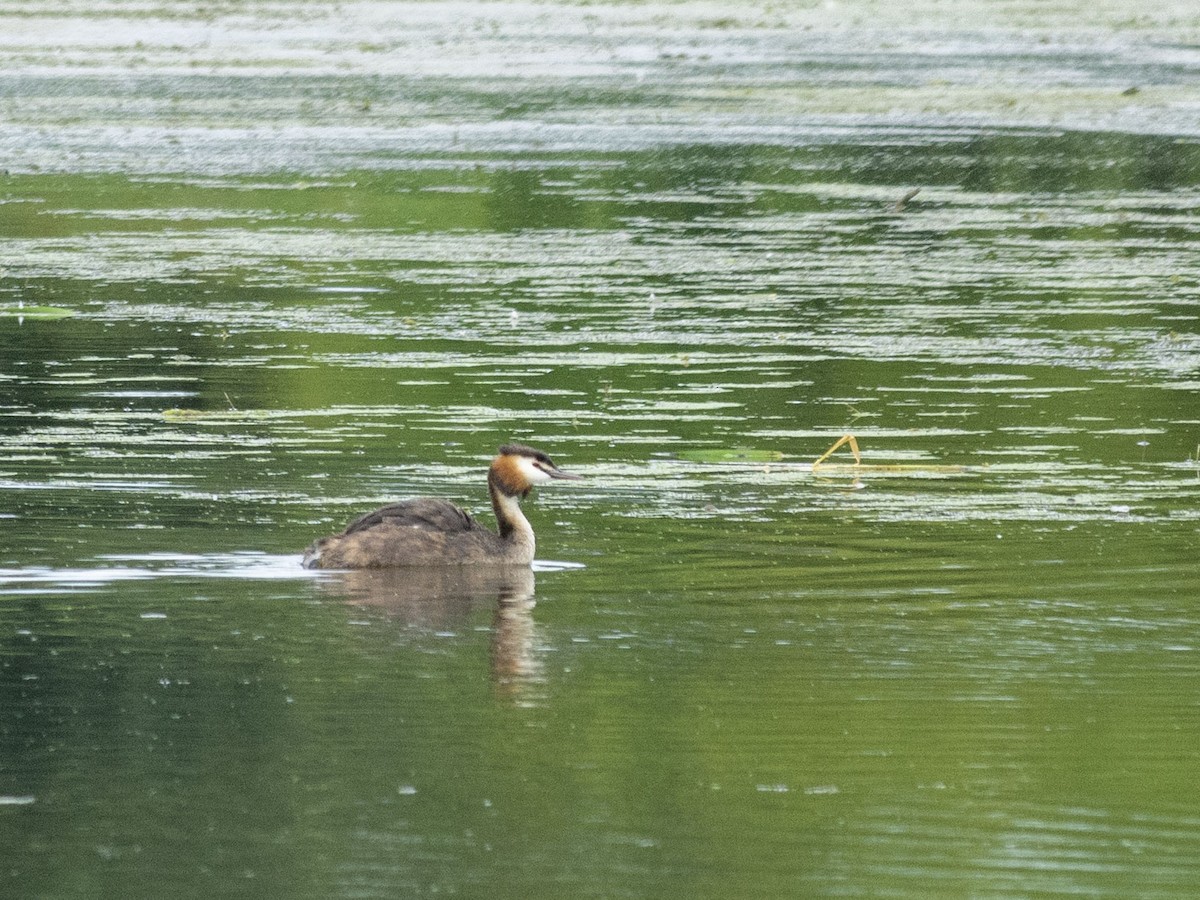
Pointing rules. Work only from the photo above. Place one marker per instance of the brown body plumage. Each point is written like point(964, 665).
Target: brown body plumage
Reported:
point(429, 532)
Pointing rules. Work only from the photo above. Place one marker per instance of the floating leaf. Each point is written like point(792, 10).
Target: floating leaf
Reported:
point(37, 312)
point(185, 415)
point(177, 414)
point(731, 454)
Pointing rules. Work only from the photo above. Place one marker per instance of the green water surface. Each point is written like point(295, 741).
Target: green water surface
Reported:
point(316, 258)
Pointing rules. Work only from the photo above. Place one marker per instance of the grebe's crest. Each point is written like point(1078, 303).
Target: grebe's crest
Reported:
point(518, 468)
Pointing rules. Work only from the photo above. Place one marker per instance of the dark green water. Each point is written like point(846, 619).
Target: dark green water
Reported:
point(312, 269)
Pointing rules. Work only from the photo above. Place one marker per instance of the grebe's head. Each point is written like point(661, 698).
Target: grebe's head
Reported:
point(518, 468)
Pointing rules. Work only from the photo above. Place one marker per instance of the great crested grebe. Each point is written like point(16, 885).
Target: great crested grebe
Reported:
point(428, 532)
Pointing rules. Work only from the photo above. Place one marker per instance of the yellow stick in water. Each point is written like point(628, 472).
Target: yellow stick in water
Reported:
point(860, 466)
point(844, 439)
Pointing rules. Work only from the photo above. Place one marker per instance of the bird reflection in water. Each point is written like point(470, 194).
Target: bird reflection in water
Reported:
point(443, 598)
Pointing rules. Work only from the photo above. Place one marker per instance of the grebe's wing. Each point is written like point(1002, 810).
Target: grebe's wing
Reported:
point(427, 513)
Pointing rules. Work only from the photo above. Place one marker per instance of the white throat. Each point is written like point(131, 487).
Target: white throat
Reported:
point(509, 509)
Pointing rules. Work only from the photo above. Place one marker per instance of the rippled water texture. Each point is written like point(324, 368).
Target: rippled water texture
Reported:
point(267, 265)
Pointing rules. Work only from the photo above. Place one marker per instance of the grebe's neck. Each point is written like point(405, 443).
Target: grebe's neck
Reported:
point(514, 527)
